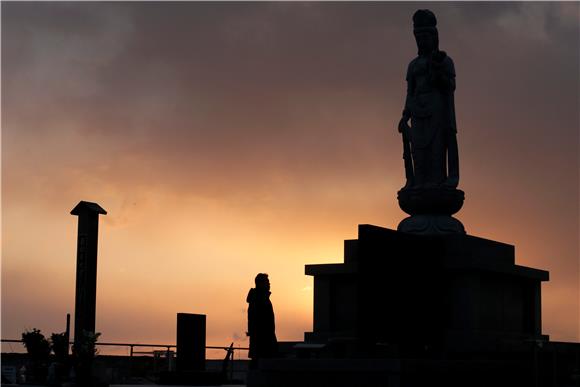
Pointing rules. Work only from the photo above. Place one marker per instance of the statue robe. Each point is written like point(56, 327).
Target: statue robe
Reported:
point(430, 105)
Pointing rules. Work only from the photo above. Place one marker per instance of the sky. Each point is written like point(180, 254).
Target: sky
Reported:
point(226, 139)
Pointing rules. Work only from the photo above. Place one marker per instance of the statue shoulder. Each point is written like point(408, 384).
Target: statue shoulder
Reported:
point(413, 62)
point(447, 63)
point(412, 65)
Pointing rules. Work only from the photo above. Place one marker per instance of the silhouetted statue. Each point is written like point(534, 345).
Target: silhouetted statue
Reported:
point(431, 108)
point(430, 194)
point(261, 325)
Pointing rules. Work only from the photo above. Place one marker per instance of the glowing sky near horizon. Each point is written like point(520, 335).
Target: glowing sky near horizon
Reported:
point(227, 139)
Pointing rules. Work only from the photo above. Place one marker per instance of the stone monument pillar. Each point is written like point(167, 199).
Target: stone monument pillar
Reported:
point(86, 281)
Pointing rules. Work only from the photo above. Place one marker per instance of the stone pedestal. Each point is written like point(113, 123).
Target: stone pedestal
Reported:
point(431, 210)
point(406, 310)
point(417, 294)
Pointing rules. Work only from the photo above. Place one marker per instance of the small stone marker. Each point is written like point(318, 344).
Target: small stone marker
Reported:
point(190, 342)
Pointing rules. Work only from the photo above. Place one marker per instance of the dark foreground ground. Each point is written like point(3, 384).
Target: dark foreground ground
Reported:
point(126, 370)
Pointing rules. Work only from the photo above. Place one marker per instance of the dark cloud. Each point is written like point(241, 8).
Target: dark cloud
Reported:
point(192, 88)
point(201, 97)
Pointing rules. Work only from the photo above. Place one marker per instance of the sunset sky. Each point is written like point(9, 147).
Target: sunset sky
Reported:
point(227, 139)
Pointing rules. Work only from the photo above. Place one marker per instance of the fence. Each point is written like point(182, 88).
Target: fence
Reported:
point(132, 346)
point(169, 353)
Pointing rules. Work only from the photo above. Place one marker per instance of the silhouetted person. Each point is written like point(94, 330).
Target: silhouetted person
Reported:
point(431, 108)
point(261, 325)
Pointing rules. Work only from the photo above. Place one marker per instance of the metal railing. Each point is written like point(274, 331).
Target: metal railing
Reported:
point(168, 347)
point(131, 346)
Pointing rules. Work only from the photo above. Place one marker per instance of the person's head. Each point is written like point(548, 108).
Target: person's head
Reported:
point(425, 31)
point(262, 281)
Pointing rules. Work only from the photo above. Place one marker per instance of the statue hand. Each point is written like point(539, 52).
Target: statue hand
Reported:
point(403, 125)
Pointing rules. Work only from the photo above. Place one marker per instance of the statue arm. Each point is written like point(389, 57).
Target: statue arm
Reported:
point(443, 75)
point(403, 125)
point(407, 108)
point(451, 88)
point(410, 89)
point(452, 111)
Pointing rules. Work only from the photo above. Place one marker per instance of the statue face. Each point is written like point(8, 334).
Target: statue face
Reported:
point(425, 41)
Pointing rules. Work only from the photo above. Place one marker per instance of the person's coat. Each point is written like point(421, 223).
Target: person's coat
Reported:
point(261, 325)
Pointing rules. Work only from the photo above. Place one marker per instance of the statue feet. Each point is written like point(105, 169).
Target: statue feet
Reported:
point(451, 182)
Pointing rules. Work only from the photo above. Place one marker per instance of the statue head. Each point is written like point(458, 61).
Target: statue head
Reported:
point(425, 31)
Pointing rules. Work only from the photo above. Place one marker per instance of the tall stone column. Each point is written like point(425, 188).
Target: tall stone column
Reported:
point(86, 281)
